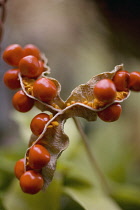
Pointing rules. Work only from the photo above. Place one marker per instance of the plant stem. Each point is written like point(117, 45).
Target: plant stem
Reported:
point(91, 157)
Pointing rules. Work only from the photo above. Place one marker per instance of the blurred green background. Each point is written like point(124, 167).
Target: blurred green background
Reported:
point(81, 38)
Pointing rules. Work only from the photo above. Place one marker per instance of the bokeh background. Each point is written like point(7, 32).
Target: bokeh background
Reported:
point(81, 38)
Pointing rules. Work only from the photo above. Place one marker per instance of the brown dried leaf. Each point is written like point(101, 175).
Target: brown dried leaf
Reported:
point(84, 93)
point(79, 110)
point(55, 141)
point(81, 103)
point(56, 104)
point(47, 69)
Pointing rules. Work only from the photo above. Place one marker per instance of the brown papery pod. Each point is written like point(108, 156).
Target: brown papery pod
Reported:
point(55, 141)
point(56, 104)
point(27, 86)
point(83, 97)
point(81, 103)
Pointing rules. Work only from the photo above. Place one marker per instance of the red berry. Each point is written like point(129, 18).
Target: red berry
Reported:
point(121, 80)
point(38, 156)
point(105, 90)
point(29, 66)
point(11, 79)
point(38, 123)
point(111, 113)
point(44, 89)
point(13, 54)
point(41, 68)
point(134, 83)
point(31, 49)
point(19, 168)
point(21, 102)
point(31, 182)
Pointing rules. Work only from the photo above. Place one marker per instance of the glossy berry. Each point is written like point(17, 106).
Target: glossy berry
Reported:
point(21, 102)
point(134, 83)
point(31, 49)
point(38, 156)
point(105, 91)
point(11, 79)
point(13, 54)
point(31, 182)
point(38, 123)
point(41, 68)
point(19, 168)
point(111, 113)
point(29, 66)
point(44, 89)
point(121, 80)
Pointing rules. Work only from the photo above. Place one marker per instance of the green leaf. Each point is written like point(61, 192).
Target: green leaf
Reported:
point(128, 196)
point(90, 199)
point(111, 149)
point(1, 203)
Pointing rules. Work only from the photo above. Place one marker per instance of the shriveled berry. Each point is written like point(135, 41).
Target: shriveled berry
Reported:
point(111, 113)
point(31, 49)
point(134, 83)
point(21, 102)
point(31, 182)
point(105, 90)
point(29, 66)
point(13, 54)
point(44, 89)
point(121, 80)
point(19, 168)
point(38, 156)
point(38, 123)
point(11, 79)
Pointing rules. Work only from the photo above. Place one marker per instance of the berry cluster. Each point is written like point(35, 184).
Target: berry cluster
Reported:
point(28, 63)
point(31, 180)
point(100, 96)
point(106, 90)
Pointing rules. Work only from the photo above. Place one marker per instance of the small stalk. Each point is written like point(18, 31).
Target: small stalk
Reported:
point(91, 157)
point(2, 16)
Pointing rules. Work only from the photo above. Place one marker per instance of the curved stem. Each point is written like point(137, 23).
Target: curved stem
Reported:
point(3, 10)
point(91, 157)
point(2, 16)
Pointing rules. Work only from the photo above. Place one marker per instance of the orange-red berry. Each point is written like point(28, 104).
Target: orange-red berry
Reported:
point(13, 54)
point(44, 89)
point(19, 168)
point(38, 123)
point(29, 66)
point(41, 69)
point(111, 113)
point(11, 79)
point(105, 91)
point(31, 182)
point(31, 49)
point(38, 156)
point(134, 83)
point(22, 102)
point(121, 80)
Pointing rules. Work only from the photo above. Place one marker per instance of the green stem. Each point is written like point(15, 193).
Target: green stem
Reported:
point(91, 157)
